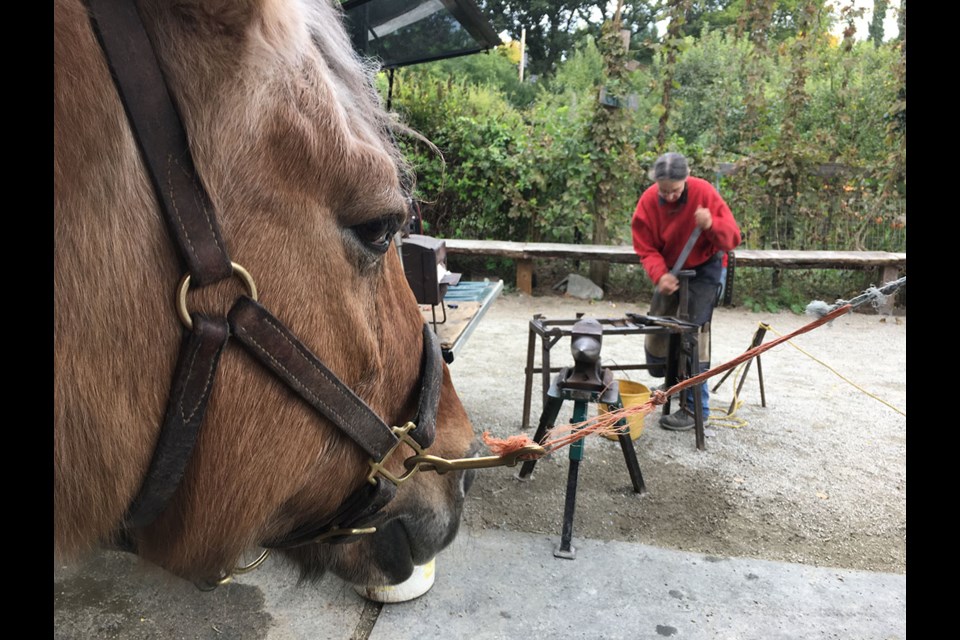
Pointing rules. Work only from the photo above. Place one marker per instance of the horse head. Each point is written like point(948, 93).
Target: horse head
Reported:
point(296, 153)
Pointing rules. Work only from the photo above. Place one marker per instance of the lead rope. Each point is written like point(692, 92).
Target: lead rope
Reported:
point(606, 423)
point(840, 375)
point(874, 295)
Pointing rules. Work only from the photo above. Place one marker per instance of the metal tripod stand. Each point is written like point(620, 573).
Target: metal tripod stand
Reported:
point(584, 383)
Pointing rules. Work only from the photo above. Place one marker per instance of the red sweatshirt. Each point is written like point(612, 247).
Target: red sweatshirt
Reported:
point(660, 230)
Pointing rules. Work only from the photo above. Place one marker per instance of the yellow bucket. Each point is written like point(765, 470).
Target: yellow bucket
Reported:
point(632, 394)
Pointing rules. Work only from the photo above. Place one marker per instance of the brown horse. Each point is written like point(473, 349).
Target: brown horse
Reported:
point(296, 154)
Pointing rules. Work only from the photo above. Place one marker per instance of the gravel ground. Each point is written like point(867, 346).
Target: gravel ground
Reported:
point(817, 477)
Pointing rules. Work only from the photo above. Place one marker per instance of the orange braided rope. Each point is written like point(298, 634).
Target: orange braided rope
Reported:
point(606, 423)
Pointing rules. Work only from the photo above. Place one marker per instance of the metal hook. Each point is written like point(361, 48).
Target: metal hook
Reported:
point(425, 462)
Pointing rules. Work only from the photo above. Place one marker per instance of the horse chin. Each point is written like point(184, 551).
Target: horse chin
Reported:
point(388, 556)
point(384, 558)
point(392, 556)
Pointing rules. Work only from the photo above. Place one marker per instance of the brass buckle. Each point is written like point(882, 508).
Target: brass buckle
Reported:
point(403, 437)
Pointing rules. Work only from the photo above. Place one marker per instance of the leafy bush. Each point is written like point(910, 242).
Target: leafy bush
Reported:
point(814, 130)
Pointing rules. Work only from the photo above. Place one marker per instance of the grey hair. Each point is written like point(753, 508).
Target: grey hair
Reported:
point(670, 166)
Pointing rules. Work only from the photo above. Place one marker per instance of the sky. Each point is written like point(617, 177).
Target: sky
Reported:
point(863, 24)
point(890, 28)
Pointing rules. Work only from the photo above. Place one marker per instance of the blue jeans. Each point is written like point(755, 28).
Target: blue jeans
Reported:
point(704, 394)
point(704, 289)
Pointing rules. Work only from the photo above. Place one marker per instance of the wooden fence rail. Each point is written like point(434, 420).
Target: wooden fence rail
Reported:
point(887, 264)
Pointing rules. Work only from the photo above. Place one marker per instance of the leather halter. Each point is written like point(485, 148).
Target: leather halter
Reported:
point(190, 216)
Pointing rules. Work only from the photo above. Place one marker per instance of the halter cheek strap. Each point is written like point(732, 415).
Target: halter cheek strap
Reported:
point(163, 143)
point(196, 368)
point(277, 349)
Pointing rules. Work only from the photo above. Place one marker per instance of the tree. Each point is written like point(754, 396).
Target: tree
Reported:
point(876, 23)
point(786, 18)
point(789, 158)
point(716, 14)
point(672, 44)
point(896, 116)
point(495, 68)
point(902, 21)
point(549, 25)
point(754, 23)
point(615, 163)
point(555, 27)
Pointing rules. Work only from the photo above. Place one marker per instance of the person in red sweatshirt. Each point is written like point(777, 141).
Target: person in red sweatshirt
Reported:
point(666, 216)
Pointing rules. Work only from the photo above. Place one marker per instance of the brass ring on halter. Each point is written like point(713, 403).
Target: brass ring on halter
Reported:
point(210, 585)
point(253, 565)
point(227, 578)
point(184, 286)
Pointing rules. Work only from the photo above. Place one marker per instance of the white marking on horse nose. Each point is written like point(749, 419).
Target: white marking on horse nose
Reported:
point(467, 477)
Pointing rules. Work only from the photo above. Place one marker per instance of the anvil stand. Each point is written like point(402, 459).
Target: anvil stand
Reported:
point(569, 385)
point(682, 338)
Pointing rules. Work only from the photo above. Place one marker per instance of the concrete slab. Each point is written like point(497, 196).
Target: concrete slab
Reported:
point(501, 584)
point(497, 585)
point(115, 595)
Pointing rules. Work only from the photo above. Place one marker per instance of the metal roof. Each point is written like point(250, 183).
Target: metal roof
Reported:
point(405, 32)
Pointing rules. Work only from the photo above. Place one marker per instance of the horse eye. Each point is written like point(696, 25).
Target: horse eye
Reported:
point(376, 234)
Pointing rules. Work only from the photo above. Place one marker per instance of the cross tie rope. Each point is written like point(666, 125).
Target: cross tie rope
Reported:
point(606, 423)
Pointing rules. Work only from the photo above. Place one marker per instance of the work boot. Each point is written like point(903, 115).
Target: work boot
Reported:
point(679, 421)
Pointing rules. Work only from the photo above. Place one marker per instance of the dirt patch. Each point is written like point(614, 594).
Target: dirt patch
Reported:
point(818, 476)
